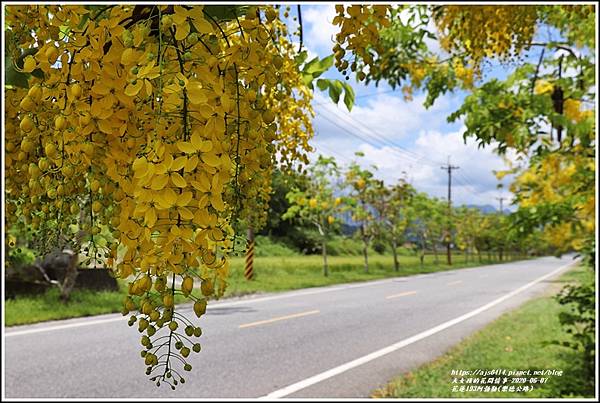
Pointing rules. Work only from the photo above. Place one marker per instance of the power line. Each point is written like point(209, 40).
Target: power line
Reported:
point(415, 160)
point(372, 133)
point(467, 187)
point(421, 158)
point(369, 140)
point(376, 140)
point(466, 180)
point(360, 137)
point(331, 151)
point(359, 96)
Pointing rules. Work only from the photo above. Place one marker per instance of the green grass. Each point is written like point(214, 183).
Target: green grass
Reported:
point(271, 274)
point(515, 341)
point(293, 272)
point(39, 308)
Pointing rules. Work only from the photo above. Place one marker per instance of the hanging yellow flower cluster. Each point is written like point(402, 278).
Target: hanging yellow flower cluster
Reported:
point(359, 35)
point(486, 31)
point(154, 129)
point(557, 179)
point(367, 43)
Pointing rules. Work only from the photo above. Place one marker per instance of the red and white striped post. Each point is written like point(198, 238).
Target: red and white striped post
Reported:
point(249, 267)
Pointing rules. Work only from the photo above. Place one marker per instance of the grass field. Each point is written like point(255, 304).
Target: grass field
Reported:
point(293, 272)
point(271, 274)
point(515, 341)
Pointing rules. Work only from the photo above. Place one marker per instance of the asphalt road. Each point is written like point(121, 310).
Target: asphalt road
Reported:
point(338, 341)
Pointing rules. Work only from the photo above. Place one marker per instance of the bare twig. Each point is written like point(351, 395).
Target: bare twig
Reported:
point(300, 27)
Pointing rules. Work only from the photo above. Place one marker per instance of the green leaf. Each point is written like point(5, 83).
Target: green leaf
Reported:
point(335, 90)
point(348, 96)
point(301, 58)
point(323, 84)
point(309, 65)
point(13, 77)
point(307, 80)
point(83, 21)
point(317, 67)
point(64, 31)
point(225, 13)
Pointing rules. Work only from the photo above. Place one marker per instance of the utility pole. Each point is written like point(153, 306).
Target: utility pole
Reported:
point(449, 168)
point(501, 199)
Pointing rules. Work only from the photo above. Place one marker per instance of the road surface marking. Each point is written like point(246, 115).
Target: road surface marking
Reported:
point(402, 294)
point(264, 322)
point(454, 282)
point(295, 387)
point(67, 326)
point(118, 317)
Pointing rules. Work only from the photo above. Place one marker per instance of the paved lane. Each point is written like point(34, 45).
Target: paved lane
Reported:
point(281, 345)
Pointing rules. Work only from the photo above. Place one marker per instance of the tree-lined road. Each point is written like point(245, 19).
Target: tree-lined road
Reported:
point(336, 341)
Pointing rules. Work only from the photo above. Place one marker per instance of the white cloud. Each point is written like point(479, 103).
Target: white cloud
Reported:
point(401, 138)
point(319, 31)
point(385, 116)
point(473, 183)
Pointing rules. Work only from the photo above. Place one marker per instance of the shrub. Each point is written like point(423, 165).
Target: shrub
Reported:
point(579, 322)
point(266, 246)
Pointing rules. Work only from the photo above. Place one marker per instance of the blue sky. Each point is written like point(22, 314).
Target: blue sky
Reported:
point(401, 137)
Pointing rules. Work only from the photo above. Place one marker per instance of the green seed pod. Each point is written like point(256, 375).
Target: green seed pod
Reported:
point(143, 324)
point(145, 340)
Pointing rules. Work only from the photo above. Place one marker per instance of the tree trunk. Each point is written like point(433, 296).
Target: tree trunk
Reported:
point(71, 272)
point(365, 247)
point(70, 276)
point(479, 255)
point(422, 256)
point(395, 253)
point(435, 253)
point(366, 256)
point(325, 267)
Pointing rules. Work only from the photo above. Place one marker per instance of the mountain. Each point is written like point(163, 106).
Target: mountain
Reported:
point(487, 208)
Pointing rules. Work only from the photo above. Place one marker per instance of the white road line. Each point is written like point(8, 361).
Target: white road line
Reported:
point(67, 326)
point(288, 390)
point(210, 306)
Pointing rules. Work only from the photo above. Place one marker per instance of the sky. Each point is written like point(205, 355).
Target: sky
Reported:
point(402, 138)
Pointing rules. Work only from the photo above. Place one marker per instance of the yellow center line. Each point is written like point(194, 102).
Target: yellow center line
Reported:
point(263, 322)
point(455, 282)
point(402, 294)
